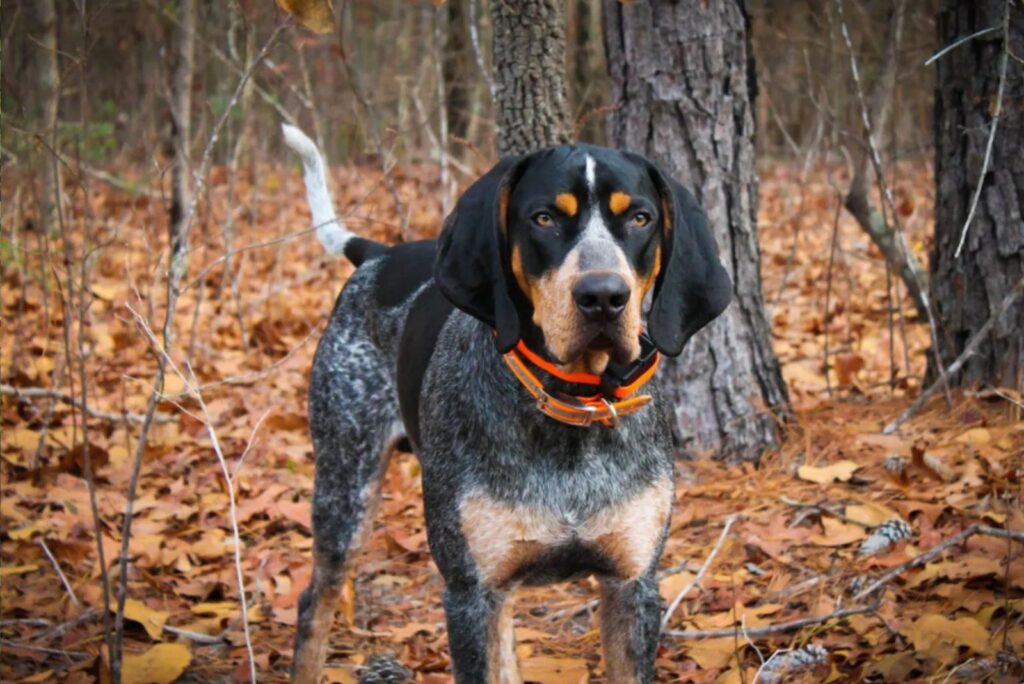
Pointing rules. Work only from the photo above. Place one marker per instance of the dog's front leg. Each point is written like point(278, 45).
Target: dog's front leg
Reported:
point(481, 637)
point(630, 614)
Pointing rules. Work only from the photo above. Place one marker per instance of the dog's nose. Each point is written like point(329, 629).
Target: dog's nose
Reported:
point(601, 297)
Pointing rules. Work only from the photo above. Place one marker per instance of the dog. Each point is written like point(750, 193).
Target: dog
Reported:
point(516, 356)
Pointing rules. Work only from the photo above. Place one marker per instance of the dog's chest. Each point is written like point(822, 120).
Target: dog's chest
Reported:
point(514, 543)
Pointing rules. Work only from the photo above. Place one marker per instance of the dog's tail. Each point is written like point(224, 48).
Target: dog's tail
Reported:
point(331, 230)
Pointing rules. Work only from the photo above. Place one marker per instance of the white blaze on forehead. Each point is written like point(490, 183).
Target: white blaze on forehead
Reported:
point(596, 228)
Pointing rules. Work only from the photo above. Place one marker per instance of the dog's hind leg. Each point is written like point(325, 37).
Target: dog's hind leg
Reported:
point(354, 420)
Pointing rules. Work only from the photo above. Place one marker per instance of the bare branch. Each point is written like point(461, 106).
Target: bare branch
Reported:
point(960, 42)
point(26, 393)
point(700, 573)
point(954, 368)
point(991, 132)
point(935, 552)
point(768, 630)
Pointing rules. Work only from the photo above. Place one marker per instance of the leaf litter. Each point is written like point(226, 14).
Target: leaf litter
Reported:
point(808, 510)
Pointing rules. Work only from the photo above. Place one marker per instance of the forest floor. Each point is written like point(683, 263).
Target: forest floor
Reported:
point(248, 330)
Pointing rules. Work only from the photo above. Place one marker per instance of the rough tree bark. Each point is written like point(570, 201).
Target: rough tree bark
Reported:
point(530, 100)
point(683, 83)
point(967, 289)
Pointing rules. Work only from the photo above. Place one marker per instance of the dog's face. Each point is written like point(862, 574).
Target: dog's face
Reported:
point(570, 248)
point(584, 229)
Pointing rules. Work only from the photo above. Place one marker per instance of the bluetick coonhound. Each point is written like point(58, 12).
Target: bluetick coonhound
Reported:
point(510, 355)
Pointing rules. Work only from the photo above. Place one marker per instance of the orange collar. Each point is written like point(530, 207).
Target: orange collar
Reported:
point(582, 411)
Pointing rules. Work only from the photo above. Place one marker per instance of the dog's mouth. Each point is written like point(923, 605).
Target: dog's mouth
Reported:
point(597, 347)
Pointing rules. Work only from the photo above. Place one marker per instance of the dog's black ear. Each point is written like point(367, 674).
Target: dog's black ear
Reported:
point(692, 288)
point(472, 255)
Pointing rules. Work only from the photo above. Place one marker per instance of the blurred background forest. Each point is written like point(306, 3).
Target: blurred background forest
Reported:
point(858, 513)
point(117, 60)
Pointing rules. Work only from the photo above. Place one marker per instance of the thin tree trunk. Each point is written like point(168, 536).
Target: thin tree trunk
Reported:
point(181, 125)
point(858, 202)
point(683, 85)
point(457, 68)
point(529, 75)
point(967, 289)
point(47, 88)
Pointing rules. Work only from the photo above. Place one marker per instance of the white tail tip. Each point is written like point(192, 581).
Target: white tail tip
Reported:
point(329, 228)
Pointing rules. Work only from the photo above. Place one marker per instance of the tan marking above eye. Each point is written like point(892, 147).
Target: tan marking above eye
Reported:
point(619, 202)
point(567, 203)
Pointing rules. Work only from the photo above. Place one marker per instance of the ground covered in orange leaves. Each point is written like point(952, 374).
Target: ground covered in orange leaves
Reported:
point(247, 328)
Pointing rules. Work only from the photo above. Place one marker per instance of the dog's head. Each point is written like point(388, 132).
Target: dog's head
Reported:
point(572, 247)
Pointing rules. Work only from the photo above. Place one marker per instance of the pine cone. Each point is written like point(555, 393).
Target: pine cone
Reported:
point(782, 666)
point(384, 669)
point(884, 536)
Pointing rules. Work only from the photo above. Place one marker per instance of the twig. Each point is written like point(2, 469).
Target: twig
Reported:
point(828, 289)
point(198, 637)
point(700, 573)
point(958, 43)
point(64, 627)
point(192, 384)
point(175, 274)
point(821, 508)
point(27, 622)
point(954, 368)
point(991, 133)
point(252, 440)
point(478, 55)
point(44, 393)
point(914, 282)
point(935, 552)
point(373, 119)
point(60, 573)
point(771, 629)
point(40, 649)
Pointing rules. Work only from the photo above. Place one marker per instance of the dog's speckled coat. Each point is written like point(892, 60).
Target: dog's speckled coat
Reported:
point(511, 496)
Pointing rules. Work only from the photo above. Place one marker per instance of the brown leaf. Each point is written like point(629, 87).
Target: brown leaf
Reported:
point(841, 471)
point(550, 670)
point(161, 664)
point(316, 15)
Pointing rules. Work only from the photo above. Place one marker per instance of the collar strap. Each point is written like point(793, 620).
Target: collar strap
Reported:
point(583, 410)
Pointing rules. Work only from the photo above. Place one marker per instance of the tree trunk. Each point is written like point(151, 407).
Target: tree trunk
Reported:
point(47, 88)
point(181, 125)
point(683, 83)
point(588, 87)
point(966, 290)
point(529, 74)
point(457, 69)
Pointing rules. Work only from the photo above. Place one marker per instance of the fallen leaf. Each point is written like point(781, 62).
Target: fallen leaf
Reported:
point(673, 584)
point(550, 670)
point(975, 436)
point(406, 631)
point(161, 664)
point(316, 15)
point(841, 471)
point(838, 533)
point(712, 654)
point(152, 620)
point(938, 637)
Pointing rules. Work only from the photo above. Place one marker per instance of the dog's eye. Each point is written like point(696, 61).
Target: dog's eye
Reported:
point(640, 219)
point(543, 219)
